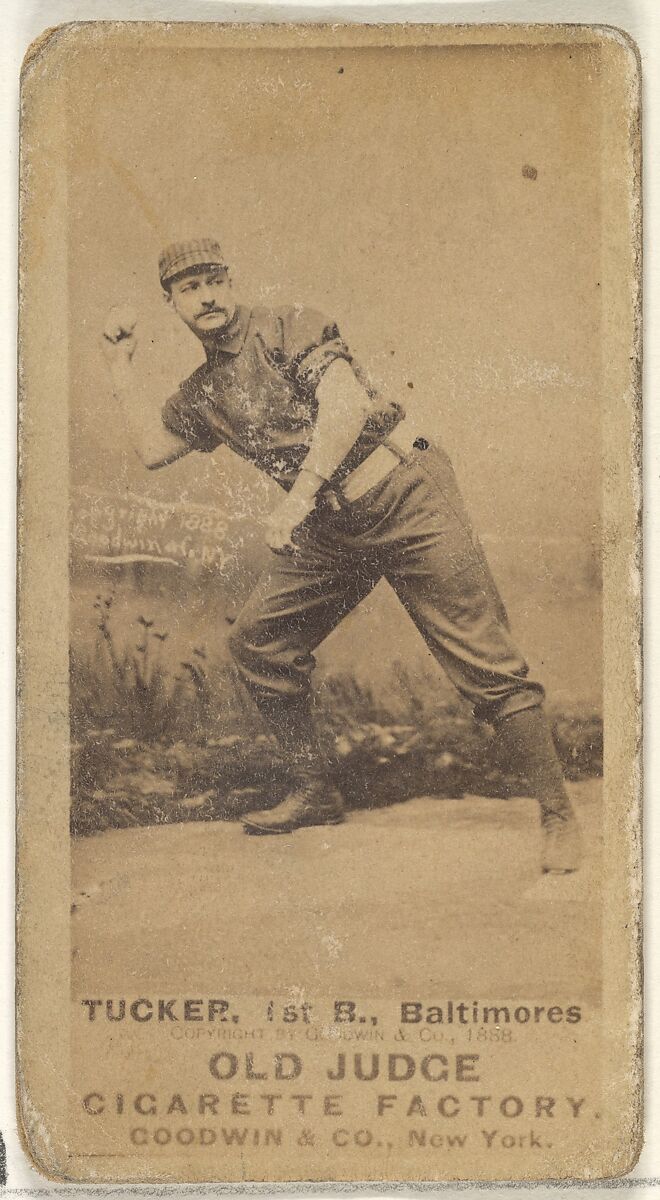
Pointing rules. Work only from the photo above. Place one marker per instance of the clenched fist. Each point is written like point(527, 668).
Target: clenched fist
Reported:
point(282, 524)
point(119, 339)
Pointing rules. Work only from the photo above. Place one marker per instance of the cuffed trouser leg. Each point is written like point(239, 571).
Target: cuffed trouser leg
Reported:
point(437, 567)
point(297, 602)
point(439, 571)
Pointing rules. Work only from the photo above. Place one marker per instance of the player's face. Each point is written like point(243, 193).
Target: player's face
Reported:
point(204, 300)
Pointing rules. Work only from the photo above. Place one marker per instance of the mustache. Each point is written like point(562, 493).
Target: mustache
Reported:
point(208, 312)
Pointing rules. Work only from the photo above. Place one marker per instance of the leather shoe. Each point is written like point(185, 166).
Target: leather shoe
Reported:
point(311, 803)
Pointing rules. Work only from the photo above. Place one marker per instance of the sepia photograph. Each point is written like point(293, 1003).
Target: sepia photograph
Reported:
point(339, 598)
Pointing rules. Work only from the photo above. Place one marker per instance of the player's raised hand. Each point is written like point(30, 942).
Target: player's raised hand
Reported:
point(119, 339)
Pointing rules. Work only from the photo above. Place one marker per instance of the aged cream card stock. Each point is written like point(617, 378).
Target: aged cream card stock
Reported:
point(329, 603)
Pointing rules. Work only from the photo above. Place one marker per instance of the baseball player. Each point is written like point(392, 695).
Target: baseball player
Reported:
point(365, 496)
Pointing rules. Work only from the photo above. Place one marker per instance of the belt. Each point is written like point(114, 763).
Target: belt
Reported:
point(380, 462)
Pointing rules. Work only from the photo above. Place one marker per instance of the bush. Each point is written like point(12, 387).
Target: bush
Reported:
point(151, 746)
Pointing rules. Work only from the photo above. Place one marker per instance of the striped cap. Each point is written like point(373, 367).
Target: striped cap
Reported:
point(181, 256)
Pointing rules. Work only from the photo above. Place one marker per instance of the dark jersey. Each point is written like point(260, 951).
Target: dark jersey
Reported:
point(256, 392)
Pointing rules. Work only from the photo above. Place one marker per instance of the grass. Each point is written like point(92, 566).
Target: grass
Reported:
point(152, 745)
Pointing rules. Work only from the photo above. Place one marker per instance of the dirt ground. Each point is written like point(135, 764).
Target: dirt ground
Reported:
point(427, 894)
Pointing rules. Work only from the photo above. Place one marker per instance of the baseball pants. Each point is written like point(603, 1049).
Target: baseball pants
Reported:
point(411, 529)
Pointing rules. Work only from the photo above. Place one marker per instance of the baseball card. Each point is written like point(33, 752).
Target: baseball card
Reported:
point(329, 777)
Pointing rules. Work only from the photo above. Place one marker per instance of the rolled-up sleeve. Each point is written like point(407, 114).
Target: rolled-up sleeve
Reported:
point(311, 343)
point(185, 414)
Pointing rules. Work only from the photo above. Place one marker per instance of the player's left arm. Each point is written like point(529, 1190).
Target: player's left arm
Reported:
point(343, 408)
